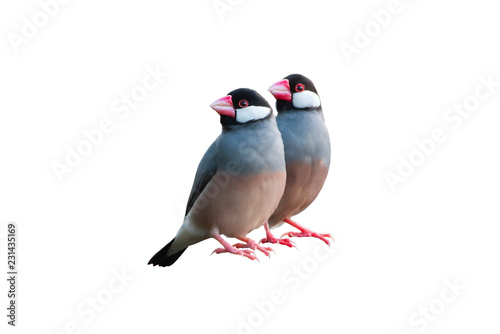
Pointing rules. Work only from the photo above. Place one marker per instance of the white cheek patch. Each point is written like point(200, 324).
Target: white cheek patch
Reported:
point(251, 113)
point(306, 99)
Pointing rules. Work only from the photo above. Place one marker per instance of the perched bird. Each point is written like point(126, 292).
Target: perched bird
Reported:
point(307, 153)
point(239, 181)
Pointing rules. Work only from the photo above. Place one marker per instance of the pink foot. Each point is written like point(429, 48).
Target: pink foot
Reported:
point(270, 238)
point(250, 254)
point(253, 245)
point(304, 232)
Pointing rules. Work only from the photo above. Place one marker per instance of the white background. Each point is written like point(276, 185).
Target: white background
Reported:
point(395, 249)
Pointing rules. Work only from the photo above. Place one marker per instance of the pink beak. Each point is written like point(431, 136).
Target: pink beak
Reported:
point(281, 90)
point(224, 106)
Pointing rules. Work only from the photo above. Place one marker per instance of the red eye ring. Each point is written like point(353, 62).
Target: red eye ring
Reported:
point(299, 87)
point(243, 103)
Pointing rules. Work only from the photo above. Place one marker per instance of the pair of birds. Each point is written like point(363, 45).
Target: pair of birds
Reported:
point(261, 170)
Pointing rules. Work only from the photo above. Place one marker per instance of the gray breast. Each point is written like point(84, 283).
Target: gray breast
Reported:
point(305, 136)
point(251, 148)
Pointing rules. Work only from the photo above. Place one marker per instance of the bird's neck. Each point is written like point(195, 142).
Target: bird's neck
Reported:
point(286, 107)
point(230, 123)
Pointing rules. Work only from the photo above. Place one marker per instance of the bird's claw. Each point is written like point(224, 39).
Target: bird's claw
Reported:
point(248, 253)
point(255, 246)
point(321, 236)
point(286, 242)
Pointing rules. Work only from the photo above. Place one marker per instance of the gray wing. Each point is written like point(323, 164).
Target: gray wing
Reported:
point(206, 170)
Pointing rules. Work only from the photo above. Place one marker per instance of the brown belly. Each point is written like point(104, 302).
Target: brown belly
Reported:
point(238, 204)
point(304, 181)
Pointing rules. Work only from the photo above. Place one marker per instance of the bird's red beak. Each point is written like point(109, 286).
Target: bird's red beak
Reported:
point(281, 90)
point(224, 106)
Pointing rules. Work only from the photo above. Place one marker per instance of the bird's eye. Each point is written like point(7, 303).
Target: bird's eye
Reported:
point(299, 87)
point(243, 103)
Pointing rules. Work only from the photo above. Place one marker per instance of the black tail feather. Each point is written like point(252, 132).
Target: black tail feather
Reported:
point(161, 259)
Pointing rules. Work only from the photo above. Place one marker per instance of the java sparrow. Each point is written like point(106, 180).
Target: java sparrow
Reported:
point(307, 152)
point(239, 181)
